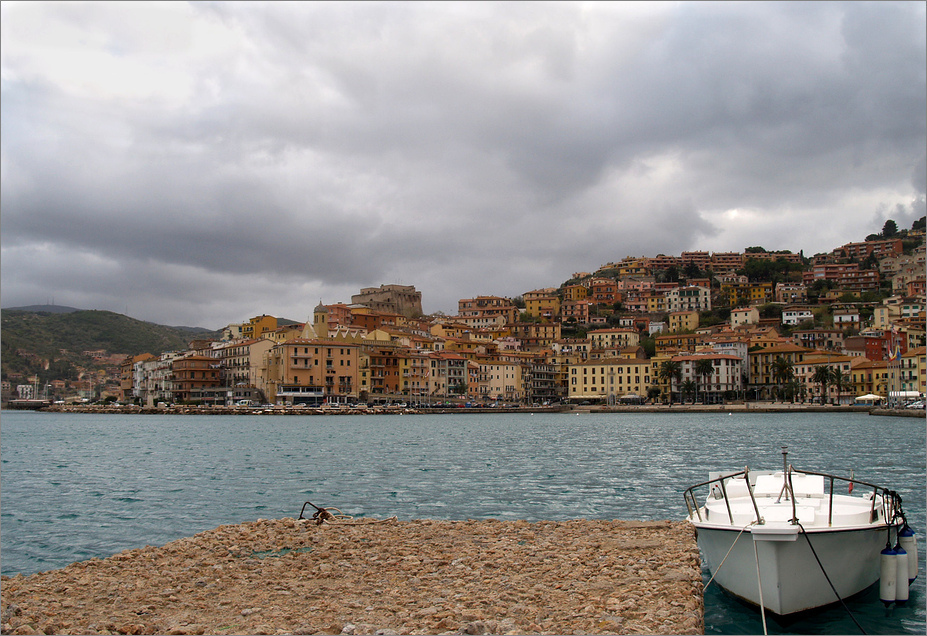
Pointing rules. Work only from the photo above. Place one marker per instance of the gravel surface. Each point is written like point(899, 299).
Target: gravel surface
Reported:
point(287, 576)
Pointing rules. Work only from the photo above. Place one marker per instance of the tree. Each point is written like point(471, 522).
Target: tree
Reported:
point(670, 371)
point(823, 375)
point(689, 388)
point(653, 392)
point(703, 369)
point(841, 381)
point(691, 270)
point(783, 371)
point(890, 229)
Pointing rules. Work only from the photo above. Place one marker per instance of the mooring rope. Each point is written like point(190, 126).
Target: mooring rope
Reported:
point(759, 585)
point(340, 519)
point(718, 569)
point(820, 565)
point(335, 516)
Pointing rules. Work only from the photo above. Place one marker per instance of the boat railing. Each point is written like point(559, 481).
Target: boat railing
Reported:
point(692, 504)
point(889, 499)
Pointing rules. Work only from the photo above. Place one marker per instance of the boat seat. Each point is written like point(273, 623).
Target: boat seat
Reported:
point(736, 488)
point(783, 512)
point(803, 485)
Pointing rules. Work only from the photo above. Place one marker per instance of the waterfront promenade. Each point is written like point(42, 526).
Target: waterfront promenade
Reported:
point(735, 407)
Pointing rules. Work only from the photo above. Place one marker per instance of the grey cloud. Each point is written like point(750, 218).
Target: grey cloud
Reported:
point(330, 146)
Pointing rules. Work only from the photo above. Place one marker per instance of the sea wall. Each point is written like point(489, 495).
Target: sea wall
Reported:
point(738, 407)
point(289, 576)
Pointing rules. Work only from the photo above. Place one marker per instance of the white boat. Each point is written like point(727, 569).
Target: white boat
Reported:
point(788, 541)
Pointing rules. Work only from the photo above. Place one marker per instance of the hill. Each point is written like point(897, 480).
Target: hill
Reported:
point(48, 309)
point(33, 341)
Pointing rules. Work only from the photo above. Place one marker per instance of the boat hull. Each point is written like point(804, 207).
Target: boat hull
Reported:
point(792, 580)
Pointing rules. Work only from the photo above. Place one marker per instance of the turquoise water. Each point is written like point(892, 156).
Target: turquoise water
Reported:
point(80, 486)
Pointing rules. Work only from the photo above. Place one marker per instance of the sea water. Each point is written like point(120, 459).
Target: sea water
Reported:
point(77, 486)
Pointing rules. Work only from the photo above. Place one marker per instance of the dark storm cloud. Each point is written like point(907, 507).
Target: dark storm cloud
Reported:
point(271, 154)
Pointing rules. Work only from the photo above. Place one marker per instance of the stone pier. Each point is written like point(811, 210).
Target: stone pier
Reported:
point(366, 576)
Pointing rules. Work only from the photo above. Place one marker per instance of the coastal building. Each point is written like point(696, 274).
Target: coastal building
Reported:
point(791, 293)
point(258, 327)
point(447, 375)
point(198, 379)
point(616, 338)
point(501, 380)
point(870, 376)
point(913, 371)
point(744, 316)
point(668, 342)
point(763, 377)
point(724, 382)
point(396, 299)
point(726, 261)
point(607, 381)
point(819, 339)
point(542, 303)
point(535, 336)
point(682, 321)
point(603, 291)
point(838, 391)
point(310, 372)
point(691, 298)
point(575, 292)
point(878, 249)
point(242, 368)
point(486, 306)
point(795, 315)
point(129, 376)
point(575, 312)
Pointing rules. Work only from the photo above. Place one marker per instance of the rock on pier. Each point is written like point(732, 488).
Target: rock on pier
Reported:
point(288, 576)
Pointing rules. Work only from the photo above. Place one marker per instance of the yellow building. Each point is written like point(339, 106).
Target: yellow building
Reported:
point(746, 294)
point(683, 321)
point(575, 292)
point(656, 301)
point(615, 338)
point(870, 376)
point(502, 380)
point(631, 266)
point(762, 376)
point(805, 371)
point(913, 372)
point(259, 327)
point(609, 380)
point(545, 306)
point(676, 342)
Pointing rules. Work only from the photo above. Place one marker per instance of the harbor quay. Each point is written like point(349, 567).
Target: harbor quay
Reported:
point(736, 407)
point(379, 576)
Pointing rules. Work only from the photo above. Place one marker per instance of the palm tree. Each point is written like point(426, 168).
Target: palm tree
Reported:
point(841, 380)
point(688, 387)
point(669, 371)
point(823, 376)
point(782, 371)
point(703, 369)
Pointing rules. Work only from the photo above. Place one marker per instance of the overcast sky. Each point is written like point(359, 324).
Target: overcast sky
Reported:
point(200, 164)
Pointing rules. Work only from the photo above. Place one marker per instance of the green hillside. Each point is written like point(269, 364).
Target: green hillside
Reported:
point(30, 340)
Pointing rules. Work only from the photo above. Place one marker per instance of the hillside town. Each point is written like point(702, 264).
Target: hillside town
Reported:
point(695, 328)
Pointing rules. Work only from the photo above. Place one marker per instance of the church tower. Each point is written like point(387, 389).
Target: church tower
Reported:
point(320, 321)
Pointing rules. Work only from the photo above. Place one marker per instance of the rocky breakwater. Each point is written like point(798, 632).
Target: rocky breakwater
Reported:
point(290, 576)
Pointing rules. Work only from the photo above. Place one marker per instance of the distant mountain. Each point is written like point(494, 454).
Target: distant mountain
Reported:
point(31, 339)
point(48, 309)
